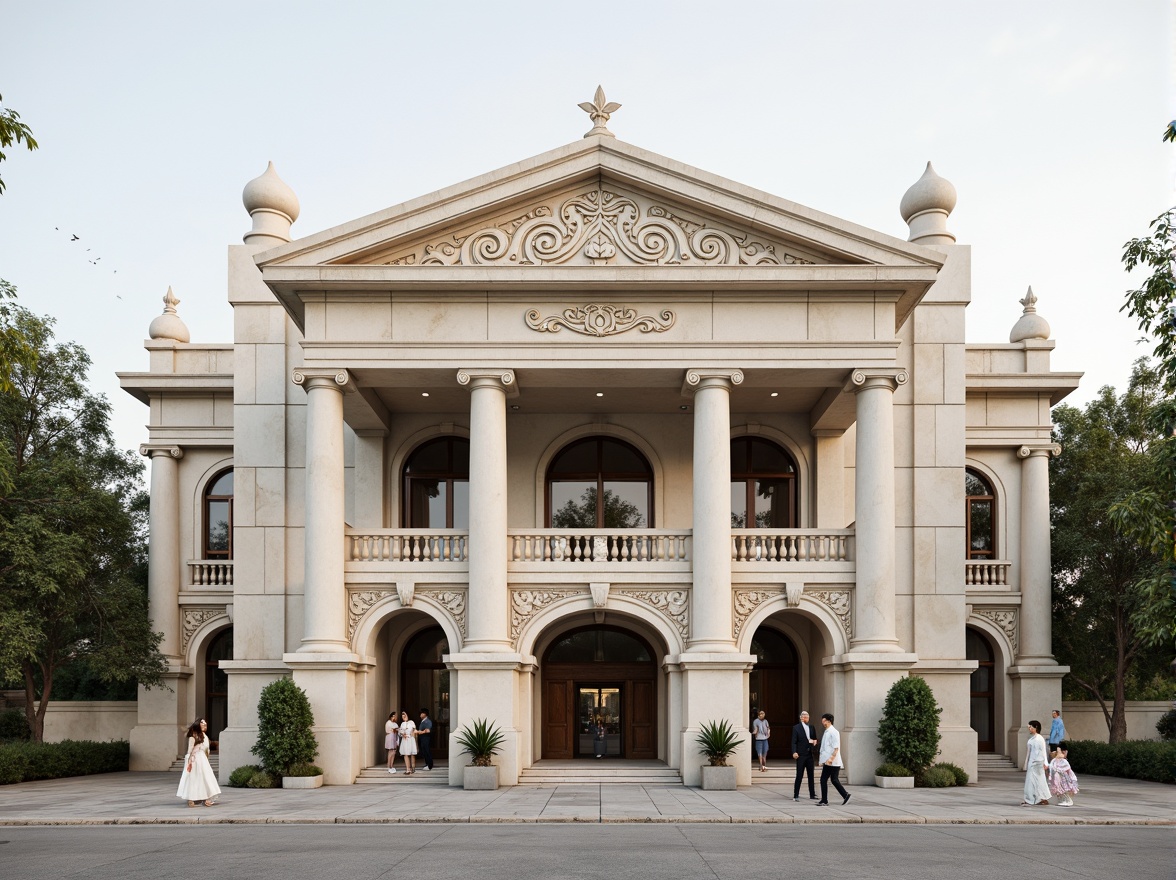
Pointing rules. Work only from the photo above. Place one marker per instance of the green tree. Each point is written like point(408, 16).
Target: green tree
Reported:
point(618, 513)
point(284, 722)
point(908, 734)
point(72, 523)
point(1098, 604)
point(13, 131)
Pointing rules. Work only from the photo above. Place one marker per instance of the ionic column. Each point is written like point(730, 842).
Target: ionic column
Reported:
point(324, 604)
point(710, 619)
point(489, 628)
point(1035, 644)
point(163, 546)
point(874, 510)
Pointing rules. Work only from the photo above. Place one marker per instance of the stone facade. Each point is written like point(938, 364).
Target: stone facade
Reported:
point(597, 291)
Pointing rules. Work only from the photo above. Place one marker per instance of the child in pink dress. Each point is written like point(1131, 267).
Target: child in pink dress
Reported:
point(1063, 784)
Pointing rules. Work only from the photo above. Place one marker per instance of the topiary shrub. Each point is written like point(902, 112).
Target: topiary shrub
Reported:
point(305, 770)
point(24, 761)
point(284, 721)
point(891, 771)
point(908, 733)
point(240, 777)
point(935, 776)
point(14, 726)
point(960, 774)
point(1134, 759)
point(261, 779)
point(1166, 726)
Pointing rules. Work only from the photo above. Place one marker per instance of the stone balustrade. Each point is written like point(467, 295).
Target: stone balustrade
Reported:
point(791, 545)
point(408, 545)
point(986, 572)
point(210, 572)
point(599, 545)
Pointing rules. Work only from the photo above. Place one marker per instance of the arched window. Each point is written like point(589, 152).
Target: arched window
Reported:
point(981, 516)
point(437, 485)
point(218, 517)
point(599, 468)
point(983, 689)
point(763, 485)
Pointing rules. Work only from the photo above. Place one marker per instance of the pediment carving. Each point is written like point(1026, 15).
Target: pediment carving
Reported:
point(598, 226)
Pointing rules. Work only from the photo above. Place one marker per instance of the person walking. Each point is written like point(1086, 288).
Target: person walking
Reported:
point(1063, 784)
point(804, 752)
point(599, 743)
point(198, 782)
point(391, 740)
point(1057, 731)
point(761, 731)
point(408, 742)
point(831, 762)
point(1036, 791)
point(424, 736)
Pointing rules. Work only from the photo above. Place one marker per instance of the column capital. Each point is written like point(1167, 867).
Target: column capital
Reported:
point(702, 377)
point(481, 377)
point(1049, 450)
point(151, 450)
point(322, 377)
point(865, 379)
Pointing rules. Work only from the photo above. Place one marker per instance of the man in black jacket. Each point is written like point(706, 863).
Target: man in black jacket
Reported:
point(804, 750)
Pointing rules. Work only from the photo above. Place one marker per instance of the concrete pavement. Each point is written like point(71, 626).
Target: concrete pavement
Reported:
point(148, 798)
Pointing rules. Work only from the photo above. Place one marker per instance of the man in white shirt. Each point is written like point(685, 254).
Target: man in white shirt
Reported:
point(831, 763)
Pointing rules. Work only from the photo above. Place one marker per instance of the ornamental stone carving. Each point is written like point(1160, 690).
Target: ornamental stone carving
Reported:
point(360, 603)
point(525, 604)
point(840, 603)
point(598, 319)
point(673, 604)
point(745, 602)
point(599, 227)
point(194, 618)
point(1004, 619)
point(453, 601)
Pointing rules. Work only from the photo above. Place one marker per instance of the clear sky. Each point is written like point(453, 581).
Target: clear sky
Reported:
point(1047, 117)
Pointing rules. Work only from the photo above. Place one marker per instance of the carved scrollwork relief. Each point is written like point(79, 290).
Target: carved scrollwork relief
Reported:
point(194, 618)
point(525, 604)
point(840, 603)
point(599, 227)
point(673, 604)
point(358, 605)
point(1005, 619)
point(598, 319)
point(745, 602)
point(453, 601)
point(361, 601)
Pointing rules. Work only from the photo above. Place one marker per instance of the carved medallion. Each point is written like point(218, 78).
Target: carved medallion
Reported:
point(525, 604)
point(1005, 619)
point(840, 603)
point(674, 605)
point(194, 618)
point(598, 319)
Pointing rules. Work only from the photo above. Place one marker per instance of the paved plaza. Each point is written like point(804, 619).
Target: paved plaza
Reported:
point(149, 798)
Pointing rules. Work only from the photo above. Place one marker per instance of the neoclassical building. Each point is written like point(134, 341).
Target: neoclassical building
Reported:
point(599, 436)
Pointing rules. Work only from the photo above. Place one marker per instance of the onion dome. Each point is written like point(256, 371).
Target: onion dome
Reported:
point(169, 325)
point(1030, 325)
point(925, 208)
point(273, 207)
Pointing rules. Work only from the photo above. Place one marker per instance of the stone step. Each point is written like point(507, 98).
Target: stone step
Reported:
point(178, 764)
point(607, 772)
point(439, 775)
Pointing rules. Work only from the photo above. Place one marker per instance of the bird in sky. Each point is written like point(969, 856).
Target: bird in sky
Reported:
point(75, 238)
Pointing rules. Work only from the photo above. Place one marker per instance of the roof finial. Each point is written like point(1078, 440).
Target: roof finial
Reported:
point(599, 110)
point(926, 206)
point(1030, 325)
point(169, 325)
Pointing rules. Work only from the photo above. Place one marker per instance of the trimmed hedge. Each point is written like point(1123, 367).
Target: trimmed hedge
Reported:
point(935, 777)
point(14, 726)
point(1135, 759)
point(960, 774)
point(26, 761)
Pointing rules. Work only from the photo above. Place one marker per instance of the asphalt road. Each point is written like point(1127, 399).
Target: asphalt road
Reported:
point(588, 852)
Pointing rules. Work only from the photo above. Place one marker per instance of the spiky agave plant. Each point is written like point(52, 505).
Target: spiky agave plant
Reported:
point(482, 739)
point(717, 740)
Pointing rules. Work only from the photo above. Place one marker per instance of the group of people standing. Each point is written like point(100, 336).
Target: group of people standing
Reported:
point(1056, 779)
point(408, 739)
point(808, 745)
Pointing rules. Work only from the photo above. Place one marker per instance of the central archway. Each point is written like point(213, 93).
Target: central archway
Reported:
point(599, 677)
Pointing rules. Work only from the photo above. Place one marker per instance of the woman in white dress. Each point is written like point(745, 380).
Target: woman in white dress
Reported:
point(198, 782)
point(1036, 788)
point(408, 743)
point(391, 740)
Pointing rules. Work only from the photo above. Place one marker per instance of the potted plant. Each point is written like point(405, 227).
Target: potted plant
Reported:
point(717, 740)
point(483, 740)
point(908, 734)
point(285, 742)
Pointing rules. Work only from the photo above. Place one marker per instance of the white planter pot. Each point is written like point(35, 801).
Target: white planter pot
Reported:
point(894, 781)
point(302, 781)
point(479, 778)
point(718, 778)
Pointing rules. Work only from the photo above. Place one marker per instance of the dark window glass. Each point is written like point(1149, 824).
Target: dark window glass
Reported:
point(771, 646)
point(981, 520)
point(579, 647)
point(426, 646)
point(436, 485)
point(599, 483)
point(218, 517)
point(763, 485)
point(598, 645)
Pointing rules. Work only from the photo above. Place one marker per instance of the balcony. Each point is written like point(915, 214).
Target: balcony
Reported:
point(210, 573)
point(986, 572)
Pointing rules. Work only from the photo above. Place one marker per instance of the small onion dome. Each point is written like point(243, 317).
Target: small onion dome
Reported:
point(1030, 325)
point(925, 208)
point(169, 325)
point(273, 207)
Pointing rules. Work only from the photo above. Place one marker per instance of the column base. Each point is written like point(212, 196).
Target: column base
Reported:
point(157, 738)
point(247, 678)
point(487, 684)
point(867, 679)
point(714, 688)
point(1037, 690)
point(329, 682)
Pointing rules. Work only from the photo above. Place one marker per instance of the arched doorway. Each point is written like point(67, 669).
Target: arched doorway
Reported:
point(424, 683)
point(600, 674)
point(216, 683)
point(774, 681)
point(983, 690)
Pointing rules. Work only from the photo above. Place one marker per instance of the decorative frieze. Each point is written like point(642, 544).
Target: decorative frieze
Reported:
point(358, 605)
point(600, 319)
point(361, 601)
point(745, 602)
point(673, 604)
point(525, 604)
point(194, 618)
point(840, 603)
point(1004, 619)
point(453, 601)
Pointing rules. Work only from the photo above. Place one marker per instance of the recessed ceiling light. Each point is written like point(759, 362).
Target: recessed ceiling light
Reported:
point(424, 394)
point(514, 406)
point(600, 394)
point(775, 394)
point(684, 406)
